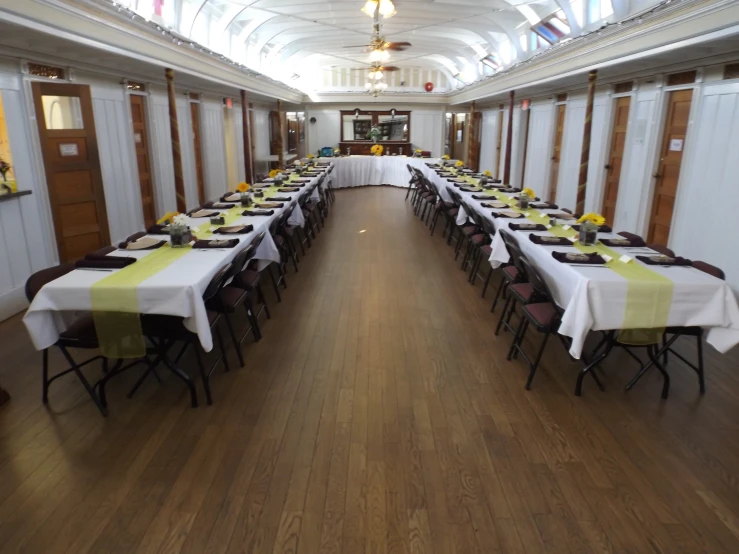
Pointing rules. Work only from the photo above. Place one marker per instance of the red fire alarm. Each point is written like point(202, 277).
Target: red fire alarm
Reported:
point(429, 86)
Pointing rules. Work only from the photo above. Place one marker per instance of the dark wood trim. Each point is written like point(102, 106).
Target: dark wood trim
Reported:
point(246, 137)
point(509, 140)
point(174, 131)
point(280, 139)
point(11, 195)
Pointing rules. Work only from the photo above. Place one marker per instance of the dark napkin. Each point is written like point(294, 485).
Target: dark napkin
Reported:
point(219, 205)
point(457, 180)
point(592, 259)
point(258, 212)
point(126, 260)
point(261, 205)
point(123, 245)
point(158, 230)
point(245, 230)
point(105, 264)
point(505, 216)
point(509, 190)
point(615, 243)
point(288, 190)
point(468, 189)
point(530, 201)
point(205, 213)
point(543, 205)
point(664, 260)
point(484, 197)
point(601, 229)
point(302, 180)
point(561, 241)
point(523, 227)
point(219, 243)
point(277, 199)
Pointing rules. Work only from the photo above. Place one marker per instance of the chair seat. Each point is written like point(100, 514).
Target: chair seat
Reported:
point(83, 329)
point(279, 241)
point(523, 292)
point(487, 249)
point(228, 299)
point(478, 239)
point(453, 211)
point(542, 314)
point(470, 230)
point(510, 273)
point(247, 279)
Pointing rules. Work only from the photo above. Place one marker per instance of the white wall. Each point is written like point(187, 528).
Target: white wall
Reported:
point(234, 143)
point(704, 221)
point(541, 138)
point(518, 137)
point(261, 139)
point(503, 143)
point(569, 163)
point(488, 138)
point(325, 131)
point(213, 147)
point(600, 135)
point(427, 131)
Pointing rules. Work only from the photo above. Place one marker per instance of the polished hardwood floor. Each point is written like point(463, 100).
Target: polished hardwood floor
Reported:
point(378, 414)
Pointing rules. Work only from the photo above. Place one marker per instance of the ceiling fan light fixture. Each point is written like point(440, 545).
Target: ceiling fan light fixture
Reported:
point(379, 56)
point(369, 8)
point(387, 8)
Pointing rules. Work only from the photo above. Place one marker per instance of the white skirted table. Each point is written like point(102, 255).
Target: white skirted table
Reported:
point(359, 171)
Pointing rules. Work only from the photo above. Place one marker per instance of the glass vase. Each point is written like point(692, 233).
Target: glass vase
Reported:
point(523, 201)
point(245, 199)
point(179, 236)
point(588, 233)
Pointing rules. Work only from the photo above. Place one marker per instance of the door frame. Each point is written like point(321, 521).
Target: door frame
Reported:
point(662, 108)
point(132, 151)
point(555, 119)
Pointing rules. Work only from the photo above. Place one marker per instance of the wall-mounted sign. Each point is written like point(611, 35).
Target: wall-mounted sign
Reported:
point(137, 138)
point(70, 149)
point(676, 145)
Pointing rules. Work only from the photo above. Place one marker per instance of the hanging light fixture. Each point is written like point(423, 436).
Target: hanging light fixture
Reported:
point(379, 56)
point(376, 75)
point(385, 7)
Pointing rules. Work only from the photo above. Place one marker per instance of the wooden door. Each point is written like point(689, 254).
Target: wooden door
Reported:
point(499, 143)
point(195, 118)
point(615, 158)
point(69, 146)
point(527, 122)
point(141, 146)
point(557, 152)
point(671, 157)
point(473, 159)
point(450, 135)
point(458, 144)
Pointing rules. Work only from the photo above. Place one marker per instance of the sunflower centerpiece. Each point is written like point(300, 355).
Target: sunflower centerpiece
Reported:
point(276, 174)
point(376, 149)
point(526, 196)
point(243, 188)
point(485, 179)
point(589, 225)
point(417, 153)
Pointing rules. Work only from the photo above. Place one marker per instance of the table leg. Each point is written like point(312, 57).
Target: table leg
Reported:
point(609, 344)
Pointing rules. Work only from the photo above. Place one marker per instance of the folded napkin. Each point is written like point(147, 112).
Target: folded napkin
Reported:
point(110, 262)
point(158, 230)
point(578, 258)
point(660, 259)
point(203, 213)
point(564, 215)
point(127, 260)
point(543, 205)
point(457, 180)
point(258, 212)
point(549, 240)
point(278, 199)
point(231, 197)
point(483, 197)
point(302, 181)
point(509, 190)
point(268, 205)
point(530, 201)
point(268, 180)
point(144, 243)
point(219, 205)
point(234, 230)
point(526, 227)
point(469, 189)
point(288, 190)
point(219, 243)
point(495, 205)
point(601, 229)
point(623, 243)
point(507, 215)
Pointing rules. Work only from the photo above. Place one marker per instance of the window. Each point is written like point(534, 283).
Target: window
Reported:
point(553, 28)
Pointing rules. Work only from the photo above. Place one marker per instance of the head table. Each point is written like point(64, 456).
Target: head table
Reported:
point(359, 171)
point(595, 298)
point(175, 290)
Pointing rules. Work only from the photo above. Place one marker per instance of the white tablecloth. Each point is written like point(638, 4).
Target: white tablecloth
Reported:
point(177, 290)
point(594, 298)
point(358, 171)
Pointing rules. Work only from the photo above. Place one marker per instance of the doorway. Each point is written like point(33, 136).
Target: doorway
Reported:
point(557, 151)
point(69, 147)
point(195, 119)
point(668, 172)
point(615, 157)
point(141, 147)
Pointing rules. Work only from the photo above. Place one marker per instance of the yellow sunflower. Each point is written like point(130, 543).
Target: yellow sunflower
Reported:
point(459, 163)
point(487, 173)
point(595, 219)
point(243, 187)
point(530, 193)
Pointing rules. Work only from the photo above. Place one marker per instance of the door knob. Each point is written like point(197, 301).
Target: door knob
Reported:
point(656, 175)
point(554, 158)
point(608, 166)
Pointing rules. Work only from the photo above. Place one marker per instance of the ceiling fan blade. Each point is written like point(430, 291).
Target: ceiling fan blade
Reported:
point(389, 68)
point(356, 46)
point(398, 46)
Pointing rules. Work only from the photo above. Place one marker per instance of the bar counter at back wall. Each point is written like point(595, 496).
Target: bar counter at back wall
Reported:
point(359, 171)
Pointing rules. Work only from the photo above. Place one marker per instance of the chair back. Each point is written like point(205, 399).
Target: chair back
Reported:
point(510, 242)
point(105, 251)
point(661, 249)
point(710, 269)
point(260, 177)
point(516, 257)
point(543, 294)
point(456, 197)
point(216, 283)
point(473, 215)
point(239, 263)
point(487, 226)
point(256, 241)
point(37, 281)
point(630, 236)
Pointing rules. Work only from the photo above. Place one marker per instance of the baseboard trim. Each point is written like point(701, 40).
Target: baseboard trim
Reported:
point(12, 302)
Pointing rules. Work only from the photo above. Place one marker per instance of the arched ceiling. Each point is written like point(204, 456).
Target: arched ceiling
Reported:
point(293, 40)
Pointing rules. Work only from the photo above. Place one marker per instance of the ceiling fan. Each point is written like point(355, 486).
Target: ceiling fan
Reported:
point(379, 43)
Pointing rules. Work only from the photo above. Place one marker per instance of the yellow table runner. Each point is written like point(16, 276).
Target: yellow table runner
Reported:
point(648, 296)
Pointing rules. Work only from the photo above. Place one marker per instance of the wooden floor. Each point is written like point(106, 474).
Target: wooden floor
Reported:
point(378, 414)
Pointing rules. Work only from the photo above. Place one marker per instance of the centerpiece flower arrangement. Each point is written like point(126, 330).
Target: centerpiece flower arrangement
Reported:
point(485, 178)
point(377, 149)
point(374, 134)
point(337, 152)
point(310, 156)
point(417, 153)
point(276, 174)
point(244, 188)
point(589, 224)
point(179, 233)
point(526, 196)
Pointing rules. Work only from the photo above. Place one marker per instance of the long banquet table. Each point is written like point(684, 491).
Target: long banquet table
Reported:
point(175, 290)
point(358, 171)
point(594, 298)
